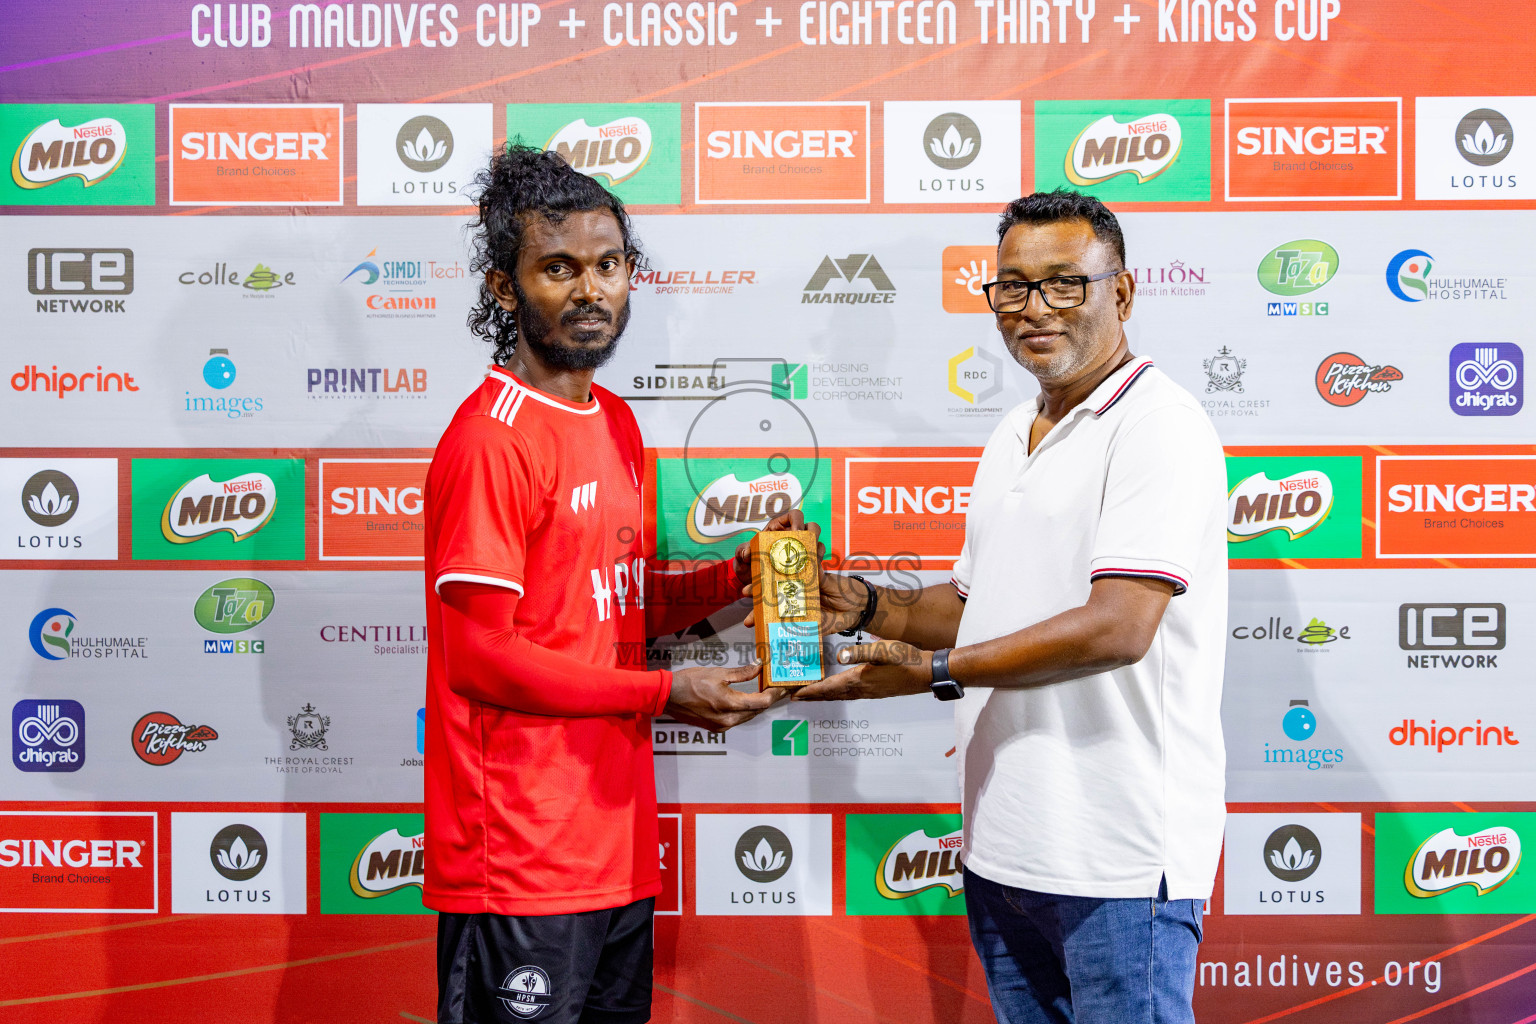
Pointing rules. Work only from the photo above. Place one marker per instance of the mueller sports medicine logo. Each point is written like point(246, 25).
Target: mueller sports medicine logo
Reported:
point(1447, 860)
point(1343, 378)
point(1487, 380)
point(203, 506)
point(918, 862)
point(1435, 630)
point(857, 278)
point(1314, 150)
point(767, 153)
point(388, 863)
point(73, 274)
point(48, 735)
point(1143, 147)
point(1296, 504)
point(256, 155)
point(52, 152)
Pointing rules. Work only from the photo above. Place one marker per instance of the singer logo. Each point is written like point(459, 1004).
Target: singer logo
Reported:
point(1449, 506)
point(775, 153)
point(255, 155)
point(372, 509)
point(907, 507)
point(74, 861)
point(1314, 150)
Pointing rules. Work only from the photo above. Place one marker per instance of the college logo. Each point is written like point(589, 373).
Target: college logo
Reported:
point(306, 730)
point(1487, 380)
point(963, 270)
point(372, 863)
point(907, 507)
point(50, 498)
point(1296, 504)
point(420, 154)
point(76, 272)
point(633, 149)
point(846, 275)
point(199, 509)
point(371, 509)
point(1292, 853)
point(1343, 378)
point(1456, 506)
point(1314, 150)
point(1299, 725)
point(1408, 275)
point(238, 852)
point(1292, 864)
point(1299, 267)
point(256, 155)
point(1224, 372)
point(1315, 635)
point(78, 154)
point(1446, 860)
point(1145, 151)
point(260, 282)
point(766, 153)
point(160, 738)
point(1466, 148)
point(704, 504)
point(48, 735)
point(951, 152)
point(1452, 864)
point(79, 861)
point(527, 992)
point(63, 508)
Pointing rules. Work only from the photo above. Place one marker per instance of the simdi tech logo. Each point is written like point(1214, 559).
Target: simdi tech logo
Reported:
point(1314, 150)
point(203, 509)
point(253, 154)
point(904, 864)
point(1474, 147)
point(78, 154)
point(633, 149)
point(1126, 151)
point(1471, 505)
point(779, 153)
point(372, 863)
point(420, 154)
point(1293, 506)
point(1466, 863)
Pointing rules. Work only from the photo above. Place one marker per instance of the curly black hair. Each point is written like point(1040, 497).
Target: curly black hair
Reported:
point(519, 181)
point(1064, 204)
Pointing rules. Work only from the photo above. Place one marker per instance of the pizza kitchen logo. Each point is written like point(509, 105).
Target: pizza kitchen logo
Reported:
point(1343, 379)
point(202, 507)
point(160, 738)
point(1296, 504)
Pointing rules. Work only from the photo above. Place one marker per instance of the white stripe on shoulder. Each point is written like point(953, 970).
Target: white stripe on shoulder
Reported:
point(466, 577)
point(545, 399)
point(506, 391)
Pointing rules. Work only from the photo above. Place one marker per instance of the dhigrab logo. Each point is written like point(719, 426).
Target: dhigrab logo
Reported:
point(1487, 379)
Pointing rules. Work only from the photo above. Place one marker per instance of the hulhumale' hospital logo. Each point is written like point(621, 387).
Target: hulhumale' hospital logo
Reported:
point(1484, 137)
point(50, 631)
point(1408, 274)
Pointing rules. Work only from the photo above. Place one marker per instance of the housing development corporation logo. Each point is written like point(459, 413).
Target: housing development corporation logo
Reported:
point(1487, 380)
point(774, 153)
point(1343, 378)
point(951, 152)
point(1313, 150)
point(256, 155)
point(78, 154)
point(48, 735)
point(218, 508)
point(1452, 864)
point(633, 149)
point(1143, 151)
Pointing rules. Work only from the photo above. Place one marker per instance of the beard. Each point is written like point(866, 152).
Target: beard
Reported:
point(534, 329)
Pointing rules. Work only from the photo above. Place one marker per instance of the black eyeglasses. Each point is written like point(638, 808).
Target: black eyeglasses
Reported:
point(1057, 292)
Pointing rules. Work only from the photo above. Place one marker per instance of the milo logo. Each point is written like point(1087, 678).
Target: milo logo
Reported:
point(918, 862)
point(615, 151)
point(1297, 504)
point(727, 506)
point(1446, 861)
point(203, 506)
point(53, 151)
point(1144, 147)
point(389, 862)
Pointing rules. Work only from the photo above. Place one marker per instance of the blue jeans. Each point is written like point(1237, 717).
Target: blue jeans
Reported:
point(1081, 960)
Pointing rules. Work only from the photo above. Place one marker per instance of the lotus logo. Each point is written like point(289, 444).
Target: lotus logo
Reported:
point(424, 143)
point(1292, 853)
point(728, 506)
point(50, 498)
point(1144, 147)
point(1408, 275)
point(238, 852)
point(1484, 137)
point(951, 141)
point(50, 632)
point(1484, 860)
point(1297, 504)
point(203, 506)
point(764, 854)
point(616, 151)
point(51, 152)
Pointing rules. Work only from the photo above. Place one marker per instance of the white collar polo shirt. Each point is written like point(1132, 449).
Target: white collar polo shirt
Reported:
point(1103, 785)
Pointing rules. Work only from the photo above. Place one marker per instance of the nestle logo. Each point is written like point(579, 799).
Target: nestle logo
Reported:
point(1450, 627)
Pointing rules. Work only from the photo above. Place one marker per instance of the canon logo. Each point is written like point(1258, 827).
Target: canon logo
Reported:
point(253, 146)
point(70, 853)
point(372, 501)
point(788, 144)
point(1320, 140)
point(897, 500)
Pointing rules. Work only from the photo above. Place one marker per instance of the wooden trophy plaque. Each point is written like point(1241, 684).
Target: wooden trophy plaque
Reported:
point(786, 599)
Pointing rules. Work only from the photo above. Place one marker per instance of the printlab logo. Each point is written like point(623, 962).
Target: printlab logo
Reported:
point(1343, 379)
point(238, 852)
point(50, 632)
point(1408, 274)
point(160, 738)
point(1484, 137)
point(951, 141)
point(1292, 853)
point(424, 143)
point(50, 498)
point(1224, 372)
point(1486, 380)
point(527, 992)
point(307, 729)
point(853, 277)
point(763, 854)
point(48, 735)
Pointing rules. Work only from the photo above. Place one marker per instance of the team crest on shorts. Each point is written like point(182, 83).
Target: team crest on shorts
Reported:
point(526, 992)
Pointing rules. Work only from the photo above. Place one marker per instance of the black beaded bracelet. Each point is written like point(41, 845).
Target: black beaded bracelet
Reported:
point(869, 608)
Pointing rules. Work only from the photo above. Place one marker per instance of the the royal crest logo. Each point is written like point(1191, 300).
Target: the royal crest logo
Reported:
point(53, 151)
point(160, 738)
point(615, 151)
point(307, 729)
point(727, 506)
point(918, 862)
point(1296, 504)
point(1484, 860)
point(1343, 379)
point(1144, 148)
point(203, 506)
point(388, 863)
point(1224, 372)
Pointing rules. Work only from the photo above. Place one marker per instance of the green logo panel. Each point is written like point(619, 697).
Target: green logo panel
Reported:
point(791, 737)
point(904, 864)
point(1138, 151)
point(77, 154)
point(179, 514)
point(706, 507)
point(633, 149)
point(1454, 863)
point(1336, 535)
point(372, 863)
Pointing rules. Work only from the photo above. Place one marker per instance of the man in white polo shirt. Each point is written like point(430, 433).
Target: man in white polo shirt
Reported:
point(1084, 634)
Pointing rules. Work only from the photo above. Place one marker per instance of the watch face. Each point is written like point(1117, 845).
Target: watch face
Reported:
point(788, 556)
point(947, 689)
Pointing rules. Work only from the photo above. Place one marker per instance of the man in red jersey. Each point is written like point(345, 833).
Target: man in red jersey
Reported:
point(540, 792)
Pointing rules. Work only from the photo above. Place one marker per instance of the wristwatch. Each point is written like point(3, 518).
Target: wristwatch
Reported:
point(942, 686)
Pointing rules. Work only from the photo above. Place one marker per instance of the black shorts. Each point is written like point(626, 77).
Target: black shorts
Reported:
point(587, 968)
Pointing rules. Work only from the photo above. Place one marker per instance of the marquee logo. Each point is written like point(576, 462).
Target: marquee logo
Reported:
point(1298, 267)
point(1314, 150)
point(372, 509)
point(1296, 504)
point(726, 506)
point(767, 153)
point(160, 738)
point(256, 155)
point(613, 152)
point(1447, 860)
point(850, 271)
point(1150, 150)
point(48, 735)
point(1448, 506)
point(633, 149)
point(202, 507)
point(1343, 378)
point(918, 862)
point(1487, 380)
point(388, 863)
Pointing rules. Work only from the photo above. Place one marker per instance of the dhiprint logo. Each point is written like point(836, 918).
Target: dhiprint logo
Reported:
point(527, 992)
point(952, 141)
point(1343, 378)
point(1292, 853)
point(1487, 380)
point(48, 735)
point(424, 143)
point(238, 852)
point(50, 498)
point(1484, 137)
point(160, 738)
point(50, 631)
point(1447, 860)
point(764, 854)
point(1408, 274)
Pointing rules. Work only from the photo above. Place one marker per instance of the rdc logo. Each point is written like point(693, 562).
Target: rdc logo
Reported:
point(1486, 379)
point(48, 735)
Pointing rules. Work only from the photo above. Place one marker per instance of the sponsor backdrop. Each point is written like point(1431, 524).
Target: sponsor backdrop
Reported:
point(236, 273)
